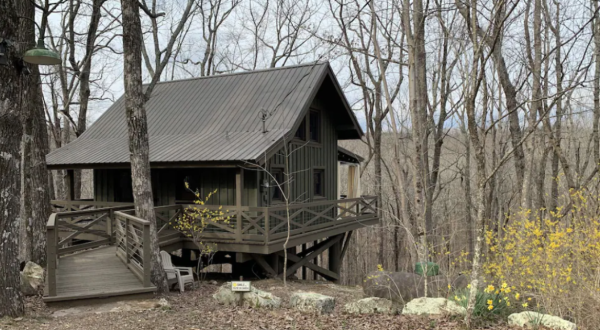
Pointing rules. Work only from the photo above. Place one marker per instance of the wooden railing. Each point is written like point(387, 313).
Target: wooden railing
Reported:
point(83, 204)
point(132, 236)
point(68, 232)
point(267, 225)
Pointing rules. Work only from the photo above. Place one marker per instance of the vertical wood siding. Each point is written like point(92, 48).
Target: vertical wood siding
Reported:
point(165, 184)
point(309, 156)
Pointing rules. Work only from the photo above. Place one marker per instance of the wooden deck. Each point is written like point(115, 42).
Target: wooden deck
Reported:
point(105, 252)
point(96, 273)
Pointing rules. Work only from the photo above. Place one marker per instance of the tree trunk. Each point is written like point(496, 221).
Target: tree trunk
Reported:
point(138, 133)
point(26, 142)
point(11, 299)
point(34, 183)
point(40, 188)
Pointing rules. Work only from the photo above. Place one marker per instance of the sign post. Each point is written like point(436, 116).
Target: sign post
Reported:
point(241, 286)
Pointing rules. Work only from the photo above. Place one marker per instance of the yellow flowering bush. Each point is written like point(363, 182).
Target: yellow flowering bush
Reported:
point(553, 257)
point(196, 218)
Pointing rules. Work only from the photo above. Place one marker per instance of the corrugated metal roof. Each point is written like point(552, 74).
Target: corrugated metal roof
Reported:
point(213, 118)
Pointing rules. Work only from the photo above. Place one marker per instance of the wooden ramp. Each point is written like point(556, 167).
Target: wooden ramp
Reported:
point(97, 273)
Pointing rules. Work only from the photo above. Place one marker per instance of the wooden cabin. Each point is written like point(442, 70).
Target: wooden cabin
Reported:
point(256, 138)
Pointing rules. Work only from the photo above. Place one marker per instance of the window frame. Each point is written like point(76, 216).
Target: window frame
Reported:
point(303, 130)
point(273, 189)
point(321, 194)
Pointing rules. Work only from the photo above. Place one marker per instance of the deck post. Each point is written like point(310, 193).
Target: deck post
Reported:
point(303, 267)
point(267, 224)
point(109, 226)
point(335, 252)
point(70, 183)
point(316, 262)
point(239, 179)
point(51, 263)
point(147, 262)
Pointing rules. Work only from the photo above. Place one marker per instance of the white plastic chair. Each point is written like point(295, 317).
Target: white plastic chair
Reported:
point(179, 275)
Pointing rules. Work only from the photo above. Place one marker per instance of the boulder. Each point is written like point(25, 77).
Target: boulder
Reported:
point(433, 306)
point(534, 320)
point(32, 279)
point(312, 302)
point(402, 287)
point(254, 298)
point(372, 305)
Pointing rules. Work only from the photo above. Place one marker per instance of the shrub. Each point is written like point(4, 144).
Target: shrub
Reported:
point(552, 258)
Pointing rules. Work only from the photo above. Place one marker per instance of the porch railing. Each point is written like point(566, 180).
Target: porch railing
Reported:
point(83, 204)
point(266, 225)
point(132, 236)
point(73, 231)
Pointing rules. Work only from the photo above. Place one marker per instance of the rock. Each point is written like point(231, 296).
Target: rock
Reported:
point(66, 312)
point(433, 306)
point(372, 305)
point(402, 287)
point(163, 303)
point(312, 302)
point(534, 320)
point(254, 298)
point(32, 279)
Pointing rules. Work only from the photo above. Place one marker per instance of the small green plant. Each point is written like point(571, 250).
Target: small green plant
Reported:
point(488, 302)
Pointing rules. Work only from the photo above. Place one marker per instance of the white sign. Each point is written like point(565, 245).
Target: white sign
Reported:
point(240, 286)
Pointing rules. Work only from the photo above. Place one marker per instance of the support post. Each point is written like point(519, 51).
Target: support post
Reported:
point(335, 252)
point(147, 257)
point(239, 179)
point(51, 263)
point(316, 261)
point(109, 226)
point(303, 267)
point(267, 224)
point(70, 182)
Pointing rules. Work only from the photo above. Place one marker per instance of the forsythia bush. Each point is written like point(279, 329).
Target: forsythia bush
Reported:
point(198, 217)
point(551, 260)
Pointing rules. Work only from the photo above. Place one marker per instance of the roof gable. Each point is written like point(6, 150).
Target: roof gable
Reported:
point(214, 118)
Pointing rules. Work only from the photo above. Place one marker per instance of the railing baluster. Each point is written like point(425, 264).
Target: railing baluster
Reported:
point(127, 239)
point(238, 224)
point(265, 211)
point(109, 226)
point(146, 258)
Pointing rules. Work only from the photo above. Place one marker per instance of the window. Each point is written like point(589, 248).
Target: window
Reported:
point(301, 132)
point(279, 177)
point(315, 126)
point(318, 180)
point(123, 191)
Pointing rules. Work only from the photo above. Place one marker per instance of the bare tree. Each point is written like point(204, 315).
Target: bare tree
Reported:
point(11, 84)
point(137, 127)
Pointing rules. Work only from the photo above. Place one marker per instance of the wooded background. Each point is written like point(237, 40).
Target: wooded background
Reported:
point(473, 110)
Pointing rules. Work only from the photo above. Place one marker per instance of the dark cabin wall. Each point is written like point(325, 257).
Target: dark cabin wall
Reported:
point(308, 156)
point(111, 185)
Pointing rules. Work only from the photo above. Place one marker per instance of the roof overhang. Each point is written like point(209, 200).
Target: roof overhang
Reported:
point(347, 156)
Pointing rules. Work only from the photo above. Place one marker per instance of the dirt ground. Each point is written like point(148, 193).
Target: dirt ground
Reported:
point(196, 309)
